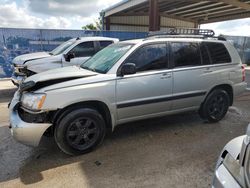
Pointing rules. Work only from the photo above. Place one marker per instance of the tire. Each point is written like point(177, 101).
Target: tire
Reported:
point(215, 106)
point(80, 131)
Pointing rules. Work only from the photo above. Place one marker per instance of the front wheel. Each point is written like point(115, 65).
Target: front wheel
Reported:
point(215, 106)
point(80, 131)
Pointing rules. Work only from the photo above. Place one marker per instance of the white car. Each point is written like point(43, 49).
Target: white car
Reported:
point(72, 52)
point(233, 166)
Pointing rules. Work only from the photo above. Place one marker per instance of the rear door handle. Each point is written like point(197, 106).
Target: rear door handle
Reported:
point(166, 75)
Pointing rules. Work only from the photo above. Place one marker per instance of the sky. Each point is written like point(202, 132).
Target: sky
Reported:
point(73, 14)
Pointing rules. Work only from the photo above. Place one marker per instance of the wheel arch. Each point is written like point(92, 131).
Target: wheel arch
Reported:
point(227, 87)
point(100, 106)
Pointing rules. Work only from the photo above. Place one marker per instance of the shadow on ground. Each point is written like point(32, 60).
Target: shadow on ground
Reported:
point(126, 137)
point(137, 152)
point(173, 150)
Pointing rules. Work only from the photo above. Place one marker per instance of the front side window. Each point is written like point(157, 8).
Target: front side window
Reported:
point(62, 47)
point(85, 49)
point(105, 59)
point(186, 54)
point(150, 57)
point(218, 53)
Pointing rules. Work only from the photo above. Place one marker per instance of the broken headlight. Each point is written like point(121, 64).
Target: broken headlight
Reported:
point(33, 101)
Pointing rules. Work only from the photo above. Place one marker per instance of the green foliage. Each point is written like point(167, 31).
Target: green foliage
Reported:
point(89, 27)
point(97, 25)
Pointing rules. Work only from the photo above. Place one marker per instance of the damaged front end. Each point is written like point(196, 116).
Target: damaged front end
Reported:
point(29, 117)
point(26, 126)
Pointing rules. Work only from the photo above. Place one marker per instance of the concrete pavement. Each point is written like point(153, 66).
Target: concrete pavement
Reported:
point(173, 151)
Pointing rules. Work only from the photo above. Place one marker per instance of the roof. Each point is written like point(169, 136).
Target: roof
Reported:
point(193, 11)
point(172, 38)
point(94, 38)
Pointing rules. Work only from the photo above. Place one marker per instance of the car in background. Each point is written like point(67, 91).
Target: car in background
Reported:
point(233, 166)
point(72, 52)
point(5, 68)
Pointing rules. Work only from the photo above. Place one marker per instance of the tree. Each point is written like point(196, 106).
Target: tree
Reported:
point(89, 27)
point(97, 25)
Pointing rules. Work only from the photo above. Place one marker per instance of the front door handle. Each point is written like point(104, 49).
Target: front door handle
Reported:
point(166, 75)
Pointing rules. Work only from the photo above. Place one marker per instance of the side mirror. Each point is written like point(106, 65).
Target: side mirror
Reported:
point(128, 68)
point(69, 56)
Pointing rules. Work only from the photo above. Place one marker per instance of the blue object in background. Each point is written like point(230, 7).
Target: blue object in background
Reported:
point(15, 42)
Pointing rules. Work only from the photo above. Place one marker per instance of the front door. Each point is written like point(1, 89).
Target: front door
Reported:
point(82, 52)
point(148, 91)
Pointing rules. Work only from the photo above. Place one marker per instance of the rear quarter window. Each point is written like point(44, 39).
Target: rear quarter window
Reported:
point(104, 44)
point(218, 53)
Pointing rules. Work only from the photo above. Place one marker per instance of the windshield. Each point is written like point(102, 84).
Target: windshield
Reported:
point(62, 47)
point(104, 60)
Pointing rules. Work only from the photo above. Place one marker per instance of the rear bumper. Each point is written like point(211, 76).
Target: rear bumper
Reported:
point(25, 133)
point(239, 88)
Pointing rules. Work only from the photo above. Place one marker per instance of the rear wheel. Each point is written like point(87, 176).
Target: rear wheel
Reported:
point(215, 106)
point(80, 131)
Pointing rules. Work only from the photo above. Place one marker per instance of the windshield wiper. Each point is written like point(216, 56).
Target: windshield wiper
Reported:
point(50, 53)
point(87, 68)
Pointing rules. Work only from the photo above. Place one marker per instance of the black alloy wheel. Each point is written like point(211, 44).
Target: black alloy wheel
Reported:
point(215, 106)
point(80, 131)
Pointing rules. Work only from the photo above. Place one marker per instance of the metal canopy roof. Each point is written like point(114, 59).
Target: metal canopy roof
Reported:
point(195, 11)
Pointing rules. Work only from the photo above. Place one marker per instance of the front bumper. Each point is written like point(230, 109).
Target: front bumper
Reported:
point(17, 79)
point(223, 179)
point(25, 133)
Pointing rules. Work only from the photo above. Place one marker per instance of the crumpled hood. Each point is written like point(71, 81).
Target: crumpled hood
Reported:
point(19, 60)
point(44, 64)
point(60, 73)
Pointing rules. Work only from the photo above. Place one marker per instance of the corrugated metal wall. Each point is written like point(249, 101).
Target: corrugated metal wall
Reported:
point(128, 28)
point(170, 22)
point(129, 23)
point(141, 23)
point(135, 20)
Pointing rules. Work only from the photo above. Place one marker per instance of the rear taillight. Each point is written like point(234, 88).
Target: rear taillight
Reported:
point(243, 73)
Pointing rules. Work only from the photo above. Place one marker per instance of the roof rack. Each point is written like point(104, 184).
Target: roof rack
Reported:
point(184, 31)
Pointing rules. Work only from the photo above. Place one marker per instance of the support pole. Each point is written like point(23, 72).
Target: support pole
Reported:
point(154, 16)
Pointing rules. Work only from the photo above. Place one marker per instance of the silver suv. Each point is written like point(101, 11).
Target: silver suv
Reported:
point(124, 82)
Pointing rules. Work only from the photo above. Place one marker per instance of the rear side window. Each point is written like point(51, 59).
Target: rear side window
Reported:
point(204, 54)
point(218, 53)
point(104, 44)
point(150, 57)
point(186, 54)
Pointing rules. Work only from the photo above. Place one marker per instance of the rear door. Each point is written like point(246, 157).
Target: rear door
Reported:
point(192, 74)
point(148, 91)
